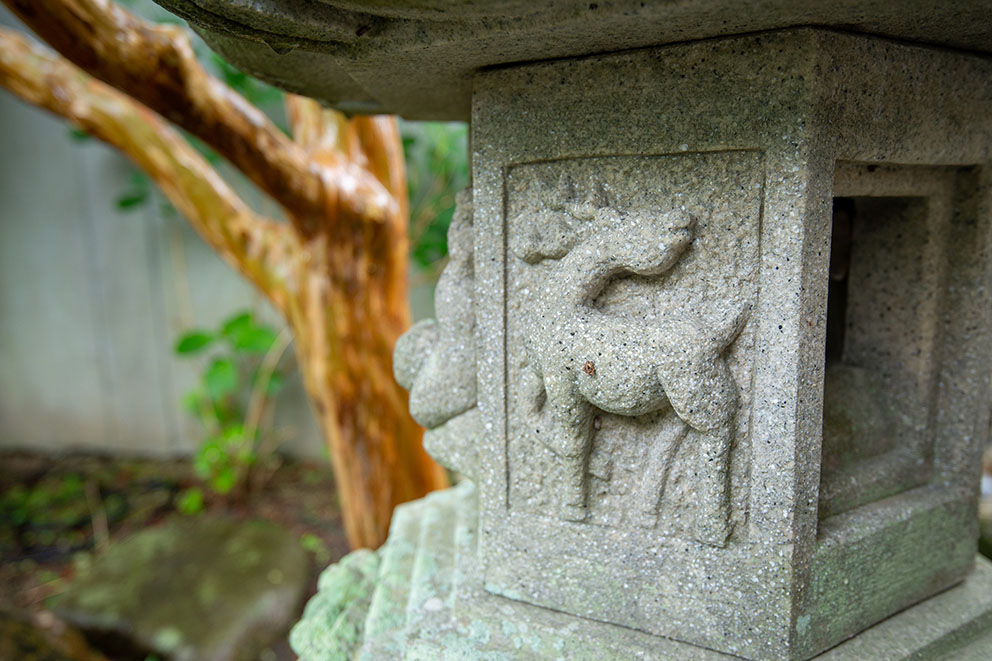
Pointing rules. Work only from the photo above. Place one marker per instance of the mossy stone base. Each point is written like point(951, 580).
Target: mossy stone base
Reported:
point(419, 598)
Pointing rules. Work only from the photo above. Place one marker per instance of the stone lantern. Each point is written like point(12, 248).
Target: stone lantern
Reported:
point(713, 346)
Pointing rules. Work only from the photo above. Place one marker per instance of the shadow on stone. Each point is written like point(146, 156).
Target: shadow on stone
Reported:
point(42, 638)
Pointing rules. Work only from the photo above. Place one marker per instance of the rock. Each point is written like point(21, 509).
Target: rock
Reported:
point(42, 638)
point(206, 588)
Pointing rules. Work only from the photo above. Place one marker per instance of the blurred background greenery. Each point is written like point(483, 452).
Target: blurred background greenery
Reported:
point(60, 512)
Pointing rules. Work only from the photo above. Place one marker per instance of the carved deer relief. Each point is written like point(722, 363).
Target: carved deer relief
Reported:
point(584, 359)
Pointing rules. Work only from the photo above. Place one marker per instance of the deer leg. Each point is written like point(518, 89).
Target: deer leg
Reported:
point(703, 393)
point(532, 392)
point(573, 441)
point(713, 506)
point(661, 455)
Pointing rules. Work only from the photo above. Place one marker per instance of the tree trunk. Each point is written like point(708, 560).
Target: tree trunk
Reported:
point(352, 307)
point(345, 330)
point(337, 271)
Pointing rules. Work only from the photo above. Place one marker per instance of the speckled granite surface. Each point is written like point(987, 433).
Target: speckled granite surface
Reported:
point(418, 58)
point(645, 311)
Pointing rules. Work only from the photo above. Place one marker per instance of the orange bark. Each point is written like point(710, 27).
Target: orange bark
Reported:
point(156, 65)
point(337, 271)
point(351, 309)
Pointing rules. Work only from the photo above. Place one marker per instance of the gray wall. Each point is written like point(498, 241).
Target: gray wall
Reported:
point(92, 299)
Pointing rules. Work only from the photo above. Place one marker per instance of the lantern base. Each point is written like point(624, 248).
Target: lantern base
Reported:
point(420, 597)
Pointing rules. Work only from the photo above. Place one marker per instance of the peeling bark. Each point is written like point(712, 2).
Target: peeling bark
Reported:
point(337, 271)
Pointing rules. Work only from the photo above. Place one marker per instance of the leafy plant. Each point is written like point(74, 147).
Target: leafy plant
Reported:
point(138, 191)
point(237, 386)
point(190, 501)
point(437, 168)
point(314, 544)
point(57, 500)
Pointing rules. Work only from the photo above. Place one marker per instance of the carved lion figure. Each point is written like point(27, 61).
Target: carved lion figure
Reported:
point(435, 360)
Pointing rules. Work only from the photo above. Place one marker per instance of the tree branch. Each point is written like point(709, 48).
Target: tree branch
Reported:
point(372, 145)
point(315, 128)
point(249, 242)
point(380, 139)
point(155, 65)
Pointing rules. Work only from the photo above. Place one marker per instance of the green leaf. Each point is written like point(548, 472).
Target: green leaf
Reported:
point(193, 342)
point(258, 339)
point(221, 378)
point(80, 135)
point(71, 487)
point(245, 334)
point(190, 501)
point(227, 412)
point(233, 436)
point(202, 466)
point(192, 402)
point(237, 324)
point(209, 458)
point(139, 191)
point(224, 480)
point(131, 200)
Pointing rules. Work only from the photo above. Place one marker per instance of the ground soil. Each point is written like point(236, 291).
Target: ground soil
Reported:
point(56, 512)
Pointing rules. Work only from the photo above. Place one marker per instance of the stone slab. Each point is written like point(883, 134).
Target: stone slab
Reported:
point(204, 588)
point(418, 59)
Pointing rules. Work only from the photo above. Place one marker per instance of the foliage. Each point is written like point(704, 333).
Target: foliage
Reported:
point(190, 501)
point(137, 192)
point(315, 545)
point(237, 385)
point(437, 168)
point(53, 508)
point(22, 504)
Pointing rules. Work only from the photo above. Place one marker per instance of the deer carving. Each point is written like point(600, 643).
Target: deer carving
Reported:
point(585, 359)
